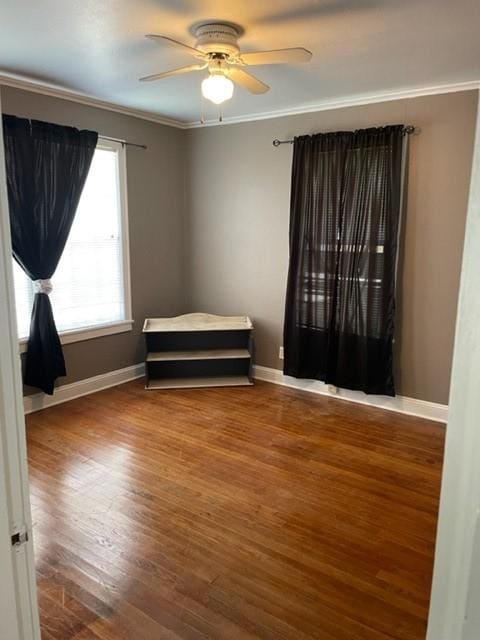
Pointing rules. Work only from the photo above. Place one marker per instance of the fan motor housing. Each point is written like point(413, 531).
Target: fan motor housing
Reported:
point(218, 38)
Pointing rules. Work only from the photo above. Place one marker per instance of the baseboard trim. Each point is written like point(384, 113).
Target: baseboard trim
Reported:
point(73, 390)
point(401, 404)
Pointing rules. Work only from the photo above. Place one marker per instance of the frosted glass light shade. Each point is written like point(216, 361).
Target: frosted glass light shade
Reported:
point(217, 88)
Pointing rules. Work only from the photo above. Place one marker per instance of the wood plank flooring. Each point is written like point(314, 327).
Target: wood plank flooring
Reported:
point(234, 513)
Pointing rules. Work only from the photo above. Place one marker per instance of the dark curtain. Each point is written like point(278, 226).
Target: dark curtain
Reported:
point(344, 220)
point(46, 166)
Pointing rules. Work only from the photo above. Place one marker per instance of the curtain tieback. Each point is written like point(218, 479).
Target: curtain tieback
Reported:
point(43, 286)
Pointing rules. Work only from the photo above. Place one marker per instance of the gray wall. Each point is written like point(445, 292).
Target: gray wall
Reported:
point(237, 208)
point(208, 213)
point(155, 180)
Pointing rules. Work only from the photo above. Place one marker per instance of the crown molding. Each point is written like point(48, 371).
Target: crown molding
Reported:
point(18, 82)
point(35, 86)
point(351, 101)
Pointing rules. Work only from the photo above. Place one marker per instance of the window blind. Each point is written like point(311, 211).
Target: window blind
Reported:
point(88, 285)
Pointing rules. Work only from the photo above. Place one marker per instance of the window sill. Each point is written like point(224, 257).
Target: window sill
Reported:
point(87, 333)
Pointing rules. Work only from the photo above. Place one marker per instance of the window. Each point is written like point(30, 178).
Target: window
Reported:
point(345, 215)
point(91, 292)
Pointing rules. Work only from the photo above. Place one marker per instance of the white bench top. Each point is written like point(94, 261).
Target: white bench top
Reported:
point(198, 322)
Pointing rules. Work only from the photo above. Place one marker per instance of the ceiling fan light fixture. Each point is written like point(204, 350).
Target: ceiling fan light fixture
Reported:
point(217, 49)
point(217, 88)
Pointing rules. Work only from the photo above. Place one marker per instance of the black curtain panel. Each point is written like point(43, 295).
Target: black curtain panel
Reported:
point(46, 166)
point(344, 221)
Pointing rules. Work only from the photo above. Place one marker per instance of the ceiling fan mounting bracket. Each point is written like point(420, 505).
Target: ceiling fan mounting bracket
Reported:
point(218, 38)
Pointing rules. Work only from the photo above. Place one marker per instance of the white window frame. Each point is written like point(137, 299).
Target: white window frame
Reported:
point(98, 330)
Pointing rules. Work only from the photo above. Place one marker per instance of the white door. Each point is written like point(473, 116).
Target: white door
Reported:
point(18, 601)
point(472, 618)
point(455, 602)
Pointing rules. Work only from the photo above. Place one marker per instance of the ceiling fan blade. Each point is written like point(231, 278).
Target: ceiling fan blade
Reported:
point(277, 56)
point(247, 81)
point(185, 47)
point(174, 72)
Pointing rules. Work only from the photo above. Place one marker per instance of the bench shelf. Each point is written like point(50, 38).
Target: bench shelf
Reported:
point(198, 350)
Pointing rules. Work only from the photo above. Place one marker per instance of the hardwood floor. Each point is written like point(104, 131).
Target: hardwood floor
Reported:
point(234, 513)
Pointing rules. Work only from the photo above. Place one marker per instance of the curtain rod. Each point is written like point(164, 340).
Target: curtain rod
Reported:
point(408, 129)
point(124, 143)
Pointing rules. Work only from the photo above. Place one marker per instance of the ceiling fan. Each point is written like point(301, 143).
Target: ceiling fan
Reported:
point(217, 51)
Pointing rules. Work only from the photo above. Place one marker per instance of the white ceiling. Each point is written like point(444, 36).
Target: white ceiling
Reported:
point(97, 47)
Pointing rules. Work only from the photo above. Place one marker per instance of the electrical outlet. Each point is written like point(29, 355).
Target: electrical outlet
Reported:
point(280, 353)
